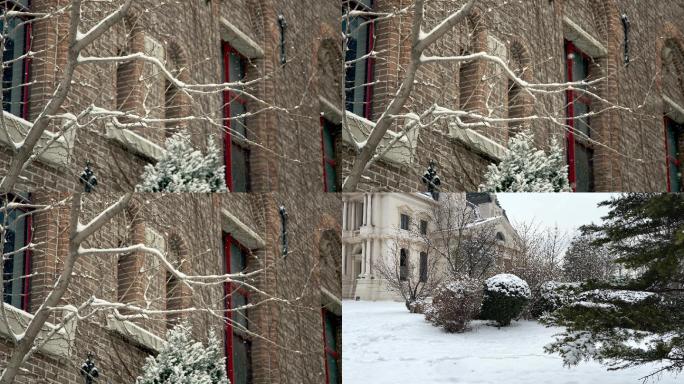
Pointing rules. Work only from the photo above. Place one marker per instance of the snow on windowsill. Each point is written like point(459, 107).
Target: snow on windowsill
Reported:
point(135, 333)
point(135, 143)
point(583, 39)
point(477, 142)
point(240, 41)
point(59, 345)
point(241, 231)
point(402, 151)
point(56, 154)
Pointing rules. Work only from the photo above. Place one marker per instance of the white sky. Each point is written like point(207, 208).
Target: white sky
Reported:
point(568, 210)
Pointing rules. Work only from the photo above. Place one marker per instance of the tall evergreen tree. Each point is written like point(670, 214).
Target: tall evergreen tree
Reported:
point(640, 320)
point(585, 260)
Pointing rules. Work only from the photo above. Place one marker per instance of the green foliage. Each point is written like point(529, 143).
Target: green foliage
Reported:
point(504, 299)
point(641, 319)
point(185, 361)
point(552, 295)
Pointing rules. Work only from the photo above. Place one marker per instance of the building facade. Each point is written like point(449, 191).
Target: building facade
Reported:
point(278, 57)
point(375, 226)
point(288, 301)
point(624, 136)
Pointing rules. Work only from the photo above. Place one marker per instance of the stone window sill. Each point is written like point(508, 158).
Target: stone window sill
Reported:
point(477, 142)
point(135, 333)
point(135, 143)
point(59, 345)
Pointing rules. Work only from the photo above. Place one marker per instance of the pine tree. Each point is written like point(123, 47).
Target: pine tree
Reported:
point(528, 169)
point(185, 169)
point(185, 361)
point(639, 320)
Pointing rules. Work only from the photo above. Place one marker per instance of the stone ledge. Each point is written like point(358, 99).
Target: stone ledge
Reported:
point(59, 345)
point(56, 154)
point(331, 302)
point(135, 143)
point(478, 143)
point(240, 41)
point(135, 334)
point(673, 110)
point(583, 39)
point(240, 231)
point(401, 153)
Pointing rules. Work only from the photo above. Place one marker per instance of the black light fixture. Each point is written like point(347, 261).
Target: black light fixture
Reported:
point(432, 181)
point(282, 23)
point(283, 220)
point(626, 25)
point(88, 178)
point(89, 370)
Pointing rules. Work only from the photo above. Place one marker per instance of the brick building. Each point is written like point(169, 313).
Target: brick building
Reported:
point(294, 339)
point(635, 61)
point(286, 56)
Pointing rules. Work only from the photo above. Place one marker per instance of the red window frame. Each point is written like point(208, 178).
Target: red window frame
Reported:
point(326, 160)
point(572, 96)
point(28, 232)
point(370, 62)
point(327, 351)
point(229, 288)
point(668, 160)
point(228, 98)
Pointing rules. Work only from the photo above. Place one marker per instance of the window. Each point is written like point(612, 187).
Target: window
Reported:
point(238, 343)
point(329, 135)
point(675, 136)
point(405, 222)
point(403, 264)
point(16, 265)
point(423, 267)
point(500, 236)
point(236, 148)
point(15, 71)
point(423, 227)
point(332, 325)
point(580, 149)
point(360, 43)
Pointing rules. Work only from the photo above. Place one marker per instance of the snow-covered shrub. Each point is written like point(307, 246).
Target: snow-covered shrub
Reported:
point(455, 304)
point(419, 306)
point(185, 361)
point(552, 295)
point(505, 297)
point(185, 169)
point(528, 169)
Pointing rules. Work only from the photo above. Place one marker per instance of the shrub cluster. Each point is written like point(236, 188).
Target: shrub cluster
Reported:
point(505, 297)
point(552, 295)
point(455, 304)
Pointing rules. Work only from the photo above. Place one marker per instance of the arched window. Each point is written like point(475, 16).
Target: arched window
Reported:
point(403, 264)
point(500, 236)
point(470, 74)
point(129, 88)
point(519, 103)
point(176, 102)
point(15, 73)
point(177, 295)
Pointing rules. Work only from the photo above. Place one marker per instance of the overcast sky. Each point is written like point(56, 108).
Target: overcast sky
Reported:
point(568, 210)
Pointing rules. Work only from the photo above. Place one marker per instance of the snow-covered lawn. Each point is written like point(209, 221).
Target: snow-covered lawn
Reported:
point(384, 343)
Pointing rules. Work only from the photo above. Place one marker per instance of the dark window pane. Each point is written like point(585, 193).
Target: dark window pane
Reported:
point(584, 169)
point(14, 265)
point(582, 124)
point(241, 360)
point(423, 267)
point(674, 137)
point(240, 168)
point(13, 73)
point(238, 125)
point(423, 227)
point(356, 73)
point(403, 264)
point(332, 348)
point(405, 222)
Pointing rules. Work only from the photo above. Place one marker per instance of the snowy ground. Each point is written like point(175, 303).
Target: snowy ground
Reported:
point(383, 343)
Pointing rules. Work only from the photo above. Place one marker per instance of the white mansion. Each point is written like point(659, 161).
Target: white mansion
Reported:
point(373, 222)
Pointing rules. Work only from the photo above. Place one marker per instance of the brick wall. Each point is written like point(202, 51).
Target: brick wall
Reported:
point(631, 156)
